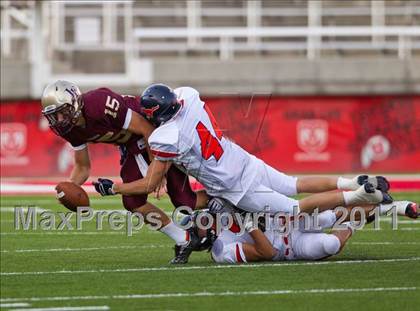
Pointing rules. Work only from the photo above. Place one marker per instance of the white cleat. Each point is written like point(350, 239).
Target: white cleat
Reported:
point(367, 194)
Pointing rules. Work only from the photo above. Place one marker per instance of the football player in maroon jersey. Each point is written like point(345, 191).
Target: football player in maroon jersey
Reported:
point(102, 116)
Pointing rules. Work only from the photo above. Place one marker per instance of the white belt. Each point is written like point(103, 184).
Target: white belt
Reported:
point(142, 164)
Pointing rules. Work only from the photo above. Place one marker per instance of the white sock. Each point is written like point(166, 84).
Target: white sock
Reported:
point(347, 183)
point(180, 236)
point(400, 206)
point(360, 196)
point(349, 197)
point(384, 209)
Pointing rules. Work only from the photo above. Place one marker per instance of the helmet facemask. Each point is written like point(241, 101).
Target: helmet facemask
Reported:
point(163, 116)
point(63, 118)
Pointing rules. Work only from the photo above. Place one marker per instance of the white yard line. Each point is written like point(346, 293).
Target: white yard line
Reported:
point(11, 209)
point(186, 268)
point(151, 246)
point(55, 233)
point(22, 232)
point(389, 229)
point(85, 308)
point(15, 305)
point(53, 201)
point(85, 249)
point(385, 243)
point(389, 220)
point(228, 293)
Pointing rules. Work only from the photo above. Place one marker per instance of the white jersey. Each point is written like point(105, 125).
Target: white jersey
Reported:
point(193, 142)
point(228, 246)
point(299, 243)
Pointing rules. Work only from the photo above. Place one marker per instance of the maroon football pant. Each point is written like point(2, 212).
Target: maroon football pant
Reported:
point(178, 184)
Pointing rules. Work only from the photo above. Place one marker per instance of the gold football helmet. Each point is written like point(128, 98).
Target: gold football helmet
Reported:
point(61, 105)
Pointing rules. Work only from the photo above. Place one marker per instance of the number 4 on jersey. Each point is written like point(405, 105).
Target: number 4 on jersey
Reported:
point(210, 145)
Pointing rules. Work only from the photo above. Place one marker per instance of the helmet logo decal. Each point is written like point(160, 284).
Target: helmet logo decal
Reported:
point(149, 111)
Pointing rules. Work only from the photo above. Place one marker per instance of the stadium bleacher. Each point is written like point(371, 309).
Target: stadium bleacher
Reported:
point(131, 43)
point(310, 87)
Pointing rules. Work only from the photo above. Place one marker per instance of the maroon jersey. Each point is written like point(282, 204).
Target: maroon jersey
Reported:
point(107, 115)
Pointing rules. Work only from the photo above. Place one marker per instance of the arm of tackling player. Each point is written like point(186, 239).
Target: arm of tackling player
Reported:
point(140, 126)
point(148, 184)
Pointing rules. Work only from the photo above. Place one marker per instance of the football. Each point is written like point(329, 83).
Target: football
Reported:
point(71, 195)
point(268, 150)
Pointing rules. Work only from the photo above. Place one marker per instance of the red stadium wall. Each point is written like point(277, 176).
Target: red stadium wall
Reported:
point(293, 134)
point(326, 134)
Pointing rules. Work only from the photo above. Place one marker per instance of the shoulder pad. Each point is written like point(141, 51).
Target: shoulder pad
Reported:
point(186, 92)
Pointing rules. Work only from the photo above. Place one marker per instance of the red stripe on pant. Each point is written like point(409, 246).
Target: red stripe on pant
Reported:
point(238, 254)
point(286, 242)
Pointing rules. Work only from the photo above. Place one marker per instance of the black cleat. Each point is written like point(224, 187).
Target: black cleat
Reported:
point(379, 182)
point(383, 184)
point(373, 195)
point(369, 188)
point(362, 179)
point(387, 198)
point(411, 210)
point(183, 252)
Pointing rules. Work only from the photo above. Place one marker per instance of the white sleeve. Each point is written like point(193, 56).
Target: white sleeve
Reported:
point(327, 219)
point(187, 93)
point(164, 143)
point(324, 220)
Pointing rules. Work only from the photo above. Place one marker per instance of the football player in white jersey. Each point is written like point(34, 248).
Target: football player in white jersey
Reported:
point(187, 136)
point(274, 245)
point(299, 243)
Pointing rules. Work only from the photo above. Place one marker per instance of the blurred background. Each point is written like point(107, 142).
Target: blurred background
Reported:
point(308, 86)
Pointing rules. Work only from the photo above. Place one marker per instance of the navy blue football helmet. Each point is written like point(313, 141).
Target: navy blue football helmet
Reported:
point(159, 103)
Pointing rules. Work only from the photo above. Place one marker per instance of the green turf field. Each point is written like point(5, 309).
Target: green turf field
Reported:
point(378, 270)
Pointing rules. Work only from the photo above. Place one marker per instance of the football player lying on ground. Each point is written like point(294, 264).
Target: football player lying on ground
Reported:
point(187, 135)
point(102, 116)
point(258, 244)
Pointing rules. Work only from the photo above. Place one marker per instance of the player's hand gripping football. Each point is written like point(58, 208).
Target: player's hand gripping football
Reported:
point(104, 186)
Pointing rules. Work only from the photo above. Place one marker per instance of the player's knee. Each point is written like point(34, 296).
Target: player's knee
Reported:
point(132, 203)
point(331, 244)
